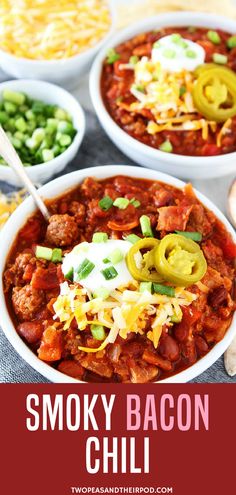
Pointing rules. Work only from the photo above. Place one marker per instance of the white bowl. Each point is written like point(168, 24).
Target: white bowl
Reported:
point(58, 187)
point(48, 93)
point(65, 72)
point(179, 165)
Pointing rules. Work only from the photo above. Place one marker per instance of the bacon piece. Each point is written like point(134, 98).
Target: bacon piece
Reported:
point(45, 278)
point(173, 218)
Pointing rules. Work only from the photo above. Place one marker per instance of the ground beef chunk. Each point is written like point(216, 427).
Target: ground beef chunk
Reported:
point(78, 211)
point(91, 188)
point(62, 230)
point(27, 301)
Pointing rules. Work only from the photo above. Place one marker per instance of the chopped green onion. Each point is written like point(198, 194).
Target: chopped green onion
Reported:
point(191, 54)
point(218, 58)
point(10, 107)
point(135, 202)
point(47, 155)
point(182, 90)
point(98, 332)
point(70, 275)
point(139, 87)
point(56, 255)
point(106, 260)
point(121, 203)
point(112, 56)
point(169, 53)
point(214, 37)
point(166, 146)
point(133, 238)
point(13, 97)
point(133, 60)
point(116, 256)
point(165, 290)
point(157, 44)
point(102, 292)
point(105, 203)
point(44, 253)
point(145, 225)
point(231, 42)
point(100, 237)
point(195, 236)
point(109, 273)
point(145, 286)
point(176, 37)
point(84, 269)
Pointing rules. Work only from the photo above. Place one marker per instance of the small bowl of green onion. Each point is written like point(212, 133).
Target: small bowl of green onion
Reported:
point(45, 124)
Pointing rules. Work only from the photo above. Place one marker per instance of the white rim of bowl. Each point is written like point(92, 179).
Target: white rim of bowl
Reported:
point(81, 115)
point(91, 50)
point(164, 20)
point(77, 177)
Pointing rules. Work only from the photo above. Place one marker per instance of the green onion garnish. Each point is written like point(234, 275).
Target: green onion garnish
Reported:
point(116, 256)
point(169, 53)
point(102, 292)
point(106, 260)
point(56, 255)
point(98, 332)
point(214, 37)
point(44, 253)
point(231, 42)
point(109, 273)
point(145, 286)
point(195, 236)
point(133, 60)
point(166, 146)
point(121, 203)
point(112, 56)
point(145, 225)
point(191, 54)
point(70, 275)
point(84, 269)
point(105, 203)
point(100, 237)
point(218, 58)
point(133, 238)
point(135, 202)
point(165, 290)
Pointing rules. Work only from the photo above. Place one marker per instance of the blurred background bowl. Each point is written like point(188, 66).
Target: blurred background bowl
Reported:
point(65, 72)
point(51, 94)
point(191, 167)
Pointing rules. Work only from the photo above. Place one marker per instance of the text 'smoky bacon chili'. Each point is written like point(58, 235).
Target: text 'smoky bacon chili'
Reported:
point(131, 281)
point(174, 89)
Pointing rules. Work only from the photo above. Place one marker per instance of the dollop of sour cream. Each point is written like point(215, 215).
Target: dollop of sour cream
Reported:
point(96, 253)
point(175, 53)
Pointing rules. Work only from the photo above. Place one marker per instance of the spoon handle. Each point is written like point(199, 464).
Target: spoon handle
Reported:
point(8, 152)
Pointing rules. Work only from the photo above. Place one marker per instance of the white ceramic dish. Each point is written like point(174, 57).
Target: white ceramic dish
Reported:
point(48, 93)
point(179, 165)
point(65, 72)
point(57, 187)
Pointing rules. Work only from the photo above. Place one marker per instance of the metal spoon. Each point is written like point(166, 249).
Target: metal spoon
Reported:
point(8, 152)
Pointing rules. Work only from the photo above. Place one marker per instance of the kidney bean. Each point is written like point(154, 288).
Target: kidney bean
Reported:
point(201, 345)
point(217, 297)
point(31, 331)
point(169, 348)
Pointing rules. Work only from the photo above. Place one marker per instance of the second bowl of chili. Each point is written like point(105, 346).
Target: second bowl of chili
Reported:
point(164, 91)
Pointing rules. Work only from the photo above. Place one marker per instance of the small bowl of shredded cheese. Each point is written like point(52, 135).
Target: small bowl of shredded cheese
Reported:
point(54, 41)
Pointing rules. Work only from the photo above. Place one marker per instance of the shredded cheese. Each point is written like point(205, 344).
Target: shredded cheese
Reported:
point(126, 310)
point(48, 30)
point(8, 203)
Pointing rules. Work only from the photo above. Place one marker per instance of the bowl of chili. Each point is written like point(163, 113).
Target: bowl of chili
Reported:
point(164, 92)
point(131, 280)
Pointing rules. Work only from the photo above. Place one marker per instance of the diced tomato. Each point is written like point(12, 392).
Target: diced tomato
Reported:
point(191, 315)
point(51, 345)
point(229, 248)
point(45, 278)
